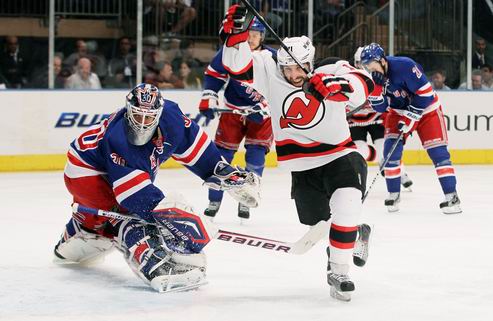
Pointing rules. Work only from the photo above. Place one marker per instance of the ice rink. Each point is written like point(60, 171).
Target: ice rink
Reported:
point(423, 265)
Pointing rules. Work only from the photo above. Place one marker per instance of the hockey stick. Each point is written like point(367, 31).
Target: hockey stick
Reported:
point(354, 111)
point(262, 20)
point(219, 110)
point(382, 166)
point(303, 245)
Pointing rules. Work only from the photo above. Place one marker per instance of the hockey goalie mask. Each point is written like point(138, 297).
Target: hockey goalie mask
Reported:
point(144, 105)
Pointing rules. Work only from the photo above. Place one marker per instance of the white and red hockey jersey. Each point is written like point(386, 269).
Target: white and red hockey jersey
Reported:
point(308, 133)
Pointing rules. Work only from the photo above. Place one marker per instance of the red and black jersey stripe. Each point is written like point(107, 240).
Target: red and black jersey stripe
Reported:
point(289, 149)
point(244, 75)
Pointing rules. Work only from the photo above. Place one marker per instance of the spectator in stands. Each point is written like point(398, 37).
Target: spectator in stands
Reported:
point(187, 53)
point(477, 80)
point(80, 52)
point(122, 67)
point(438, 80)
point(176, 14)
point(487, 75)
point(150, 77)
point(14, 65)
point(83, 78)
point(61, 79)
point(190, 79)
point(39, 77)
point(272, 10)
point(166, 78)
point(478, 58)
point(98, 61)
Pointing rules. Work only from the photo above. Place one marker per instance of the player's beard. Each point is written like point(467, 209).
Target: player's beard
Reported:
point(297, 82)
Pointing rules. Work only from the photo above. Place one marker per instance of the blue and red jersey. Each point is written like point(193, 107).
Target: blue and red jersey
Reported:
point(217, 75)
point(131, 170)
point(407, 85)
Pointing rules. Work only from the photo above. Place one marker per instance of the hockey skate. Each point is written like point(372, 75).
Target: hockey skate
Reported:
point(212, 209)
point(341, 285)
point(406, 182)
point(451, 205)
point(361, 247)
point(243, 211)
point(392, 202)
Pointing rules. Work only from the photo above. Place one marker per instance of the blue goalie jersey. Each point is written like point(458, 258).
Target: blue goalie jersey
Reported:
point(131, 170)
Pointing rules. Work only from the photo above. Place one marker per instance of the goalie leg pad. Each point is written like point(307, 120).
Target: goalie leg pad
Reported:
point(78, 246)
point(147, 253)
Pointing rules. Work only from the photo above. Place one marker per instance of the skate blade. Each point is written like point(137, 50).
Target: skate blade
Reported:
point(184, 288)
point(165, 287)
point(392, 209)
point(341, 296)
point(451, 210)
point(179, 283)
point(363, 240)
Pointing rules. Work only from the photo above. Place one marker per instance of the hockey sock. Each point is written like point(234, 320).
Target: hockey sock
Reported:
point(345, 205)
point(228, 154)
point(378, 143)
point(364, 149)
point(443, 166)
point(393, 169)
point(255, 159)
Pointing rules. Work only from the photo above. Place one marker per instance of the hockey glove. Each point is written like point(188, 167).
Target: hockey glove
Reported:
point(377, 100)
point(243, 186)
point(409, 119)
point(327, 86)
point(234, 28)
point(259, 112)
point(208, 103)
point(378, 78)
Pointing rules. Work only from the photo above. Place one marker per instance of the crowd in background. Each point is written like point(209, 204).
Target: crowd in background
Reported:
point(93, 64)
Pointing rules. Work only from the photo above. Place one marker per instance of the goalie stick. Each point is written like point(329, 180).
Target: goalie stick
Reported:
point(303, 245)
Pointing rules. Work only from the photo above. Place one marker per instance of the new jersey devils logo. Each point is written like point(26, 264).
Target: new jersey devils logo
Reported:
point(301, 111)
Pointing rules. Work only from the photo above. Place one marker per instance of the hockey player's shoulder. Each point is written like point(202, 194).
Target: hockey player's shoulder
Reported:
point(401, 63)
point(333, 65)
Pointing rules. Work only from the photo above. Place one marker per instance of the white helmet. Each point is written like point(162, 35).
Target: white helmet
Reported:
point(357, 57)
point(301, 48)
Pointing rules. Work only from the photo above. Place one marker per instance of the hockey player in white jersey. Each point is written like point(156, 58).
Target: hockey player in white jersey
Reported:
point(313, 141)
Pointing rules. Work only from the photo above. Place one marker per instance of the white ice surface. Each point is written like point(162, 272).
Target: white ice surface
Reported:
point(423, 265)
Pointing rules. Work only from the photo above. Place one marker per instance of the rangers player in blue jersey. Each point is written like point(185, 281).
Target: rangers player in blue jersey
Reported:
point(112, 166)
point(413, 105)
point(233, 127)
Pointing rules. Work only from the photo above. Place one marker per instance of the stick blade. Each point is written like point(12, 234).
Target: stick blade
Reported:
point(315, 234)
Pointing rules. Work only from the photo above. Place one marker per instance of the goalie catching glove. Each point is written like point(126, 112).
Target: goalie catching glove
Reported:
point(243, 186)
point(327, 86)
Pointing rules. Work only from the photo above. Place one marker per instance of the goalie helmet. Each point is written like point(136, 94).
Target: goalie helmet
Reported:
point(144, 105)
point(301, 48)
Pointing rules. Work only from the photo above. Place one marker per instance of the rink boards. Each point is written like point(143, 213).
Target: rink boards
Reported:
point(37, 126)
